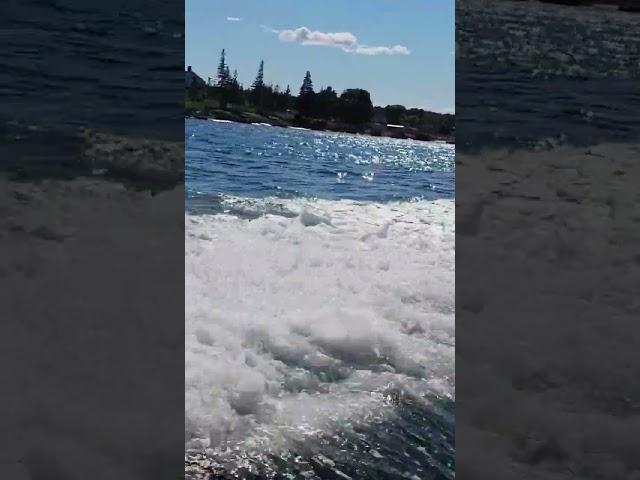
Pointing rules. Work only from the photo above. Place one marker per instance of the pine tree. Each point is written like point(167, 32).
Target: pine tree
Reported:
point(227, 77)
point(258, 88)
point(234, 86)
point(259, 81)
point(224, 81)
point(223, 70)
point(306, 97)
point(287, 91)
point(307, 84)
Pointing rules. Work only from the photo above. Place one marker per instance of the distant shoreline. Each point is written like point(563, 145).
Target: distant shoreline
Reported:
point(313, 124)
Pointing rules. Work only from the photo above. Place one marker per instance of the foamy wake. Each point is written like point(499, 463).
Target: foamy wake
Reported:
point(298, 322)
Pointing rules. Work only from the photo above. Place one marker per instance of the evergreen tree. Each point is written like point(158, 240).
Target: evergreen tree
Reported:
point(307, 85)
point(259, 81)
point(227, 77)
point(235, 90)
point(257, 88)
point(287, 100)
point(306, 97)
point(222, 70)
point(225, 90)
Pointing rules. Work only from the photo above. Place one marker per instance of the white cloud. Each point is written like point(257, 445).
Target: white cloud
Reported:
point(345, 40)
point(234, 19)
point(395, 50)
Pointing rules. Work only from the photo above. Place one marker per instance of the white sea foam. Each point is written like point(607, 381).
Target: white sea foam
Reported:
point(293, 321)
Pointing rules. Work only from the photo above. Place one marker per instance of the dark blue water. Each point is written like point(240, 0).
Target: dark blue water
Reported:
point(116, 65)
point(260, 161)
point(530, 71)
point(513, 109)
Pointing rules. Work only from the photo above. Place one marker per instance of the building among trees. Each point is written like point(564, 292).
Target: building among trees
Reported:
point(192, 77)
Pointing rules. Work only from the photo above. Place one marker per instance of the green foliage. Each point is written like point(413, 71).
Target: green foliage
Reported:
point(326, 103)
point(223, 70)
point(355, 106)
point(306, 99)
point(307, 85)
point(394, 113)
point(258, 95)
point(259, 81)
point(197, 91)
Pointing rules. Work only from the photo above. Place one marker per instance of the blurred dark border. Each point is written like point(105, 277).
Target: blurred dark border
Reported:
point(546, 247)
point(92, 239)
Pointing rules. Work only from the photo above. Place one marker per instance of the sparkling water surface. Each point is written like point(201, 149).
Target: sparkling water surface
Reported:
point(260, 161)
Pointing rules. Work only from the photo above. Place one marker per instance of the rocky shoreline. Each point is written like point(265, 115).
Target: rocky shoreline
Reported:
point(319, 125)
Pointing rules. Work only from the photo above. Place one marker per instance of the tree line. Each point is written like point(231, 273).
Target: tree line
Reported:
point(352, 106)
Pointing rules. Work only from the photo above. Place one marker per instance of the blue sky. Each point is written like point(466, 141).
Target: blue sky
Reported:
point(401, 51)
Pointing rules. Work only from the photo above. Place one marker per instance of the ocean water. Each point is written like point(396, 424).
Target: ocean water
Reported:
point(530, 73)
point(259, 161)
point(536, 396)
point(495, 105)
point(115, 66)
point(320, 335)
